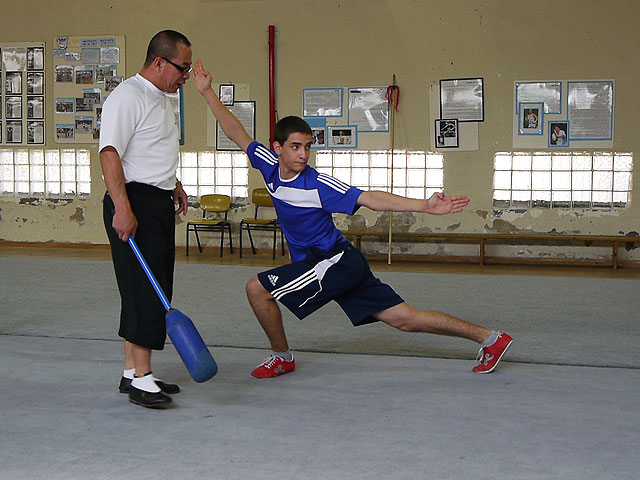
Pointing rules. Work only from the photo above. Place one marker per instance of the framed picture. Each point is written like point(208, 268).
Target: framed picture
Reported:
point(322, 102)
point(462, 98)
point(342, 136)
point(446, 132)
point(35, 108)
point(227, 94)
point(35, 58)
point(35, 83)
point(35, 133)
point(559, 133)
point(13, 107)
point(245, 112)
point(13, 83)
point(318, 138)
point(14, 132)
point(530, 118)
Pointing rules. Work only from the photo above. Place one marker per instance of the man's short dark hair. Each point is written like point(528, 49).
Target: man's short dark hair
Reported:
point(288, 125)
point(165, 44)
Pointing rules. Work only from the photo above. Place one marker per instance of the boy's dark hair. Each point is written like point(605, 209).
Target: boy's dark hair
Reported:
point(165, 44)
point(288, 125)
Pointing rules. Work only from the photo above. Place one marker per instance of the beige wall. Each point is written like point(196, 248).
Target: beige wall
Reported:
point(323, 43)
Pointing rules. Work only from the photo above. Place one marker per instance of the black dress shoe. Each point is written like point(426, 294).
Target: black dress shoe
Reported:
point(148, 399)
point(168, 388)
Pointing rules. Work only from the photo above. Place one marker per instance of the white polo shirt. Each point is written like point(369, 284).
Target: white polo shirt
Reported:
point(138, 121)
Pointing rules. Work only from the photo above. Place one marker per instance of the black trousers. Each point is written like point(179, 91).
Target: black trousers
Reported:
point(142, 316)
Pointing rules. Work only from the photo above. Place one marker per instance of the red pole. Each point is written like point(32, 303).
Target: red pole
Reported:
point(272, 89)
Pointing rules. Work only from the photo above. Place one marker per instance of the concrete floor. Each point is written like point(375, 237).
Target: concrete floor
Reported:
point(562, 405)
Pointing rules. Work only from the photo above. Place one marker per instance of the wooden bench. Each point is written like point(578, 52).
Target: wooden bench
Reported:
point(482, 239)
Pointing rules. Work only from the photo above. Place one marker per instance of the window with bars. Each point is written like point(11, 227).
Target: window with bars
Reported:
point(45, 172)
point(562, 180)
point(415, 174)
point(223, 172)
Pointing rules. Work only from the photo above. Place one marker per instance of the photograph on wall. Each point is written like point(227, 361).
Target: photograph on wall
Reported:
point(530, 118)
point(84, 74)
point(14, 132)
point(91, 96)
point(81, 106)
point(558, 134)
point(13, 83)
point(14, 59)
point(342, 136)
point(64, 131)
point(368, 109)
point(65, 105)
point(463, 99)
point(84, 124)
point(110, 83)
point(13, 107)
point(103, 71)
point(318, 138)
point(64, 73)
point(227, 94)
point(35, 108)
point(35, 133)
point(446, 133)
point(35, 58)
point(35, 83)
point(322, 102)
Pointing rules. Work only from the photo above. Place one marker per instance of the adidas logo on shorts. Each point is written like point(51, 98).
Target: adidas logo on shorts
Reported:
point(273, 279)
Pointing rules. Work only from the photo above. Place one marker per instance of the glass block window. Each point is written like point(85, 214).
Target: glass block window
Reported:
point(47, 173)
point(562, 180)
point(223, 172)
point(414, 174)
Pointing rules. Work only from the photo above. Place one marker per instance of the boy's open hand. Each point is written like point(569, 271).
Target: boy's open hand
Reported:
point(201, 78)
point(439, 204)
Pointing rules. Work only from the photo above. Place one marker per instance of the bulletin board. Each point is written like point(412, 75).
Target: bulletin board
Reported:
point(22, 93)
point(347, 117)
point(563, 114)
point(85, 71)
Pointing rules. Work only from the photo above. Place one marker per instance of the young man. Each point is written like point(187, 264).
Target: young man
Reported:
point(139, 158)
point(325, 266)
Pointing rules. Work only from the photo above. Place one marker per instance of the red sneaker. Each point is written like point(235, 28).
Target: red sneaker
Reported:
point(274, 366)
point(491, 355)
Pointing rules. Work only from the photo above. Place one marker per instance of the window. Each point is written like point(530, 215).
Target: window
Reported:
point(39, 172)
point(562, 180)
point(415, 174)
point(207, 172)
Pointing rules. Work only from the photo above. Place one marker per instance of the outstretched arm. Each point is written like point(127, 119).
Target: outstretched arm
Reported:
point(438, 204)
point(230, 124)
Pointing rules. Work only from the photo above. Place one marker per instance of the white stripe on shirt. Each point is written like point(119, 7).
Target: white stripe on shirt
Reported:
point(334, 183)
point(266, 155)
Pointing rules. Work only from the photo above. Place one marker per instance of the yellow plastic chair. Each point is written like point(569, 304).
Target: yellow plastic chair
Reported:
point(213, 207)
point(260, 198)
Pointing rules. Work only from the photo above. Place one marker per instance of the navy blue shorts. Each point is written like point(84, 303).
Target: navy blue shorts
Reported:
point(341, 274)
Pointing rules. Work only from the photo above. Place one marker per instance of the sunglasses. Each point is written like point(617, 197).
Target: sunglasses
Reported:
point(182, 70)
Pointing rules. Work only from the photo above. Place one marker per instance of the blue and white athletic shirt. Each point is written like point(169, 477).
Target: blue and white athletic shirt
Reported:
point(304, 203)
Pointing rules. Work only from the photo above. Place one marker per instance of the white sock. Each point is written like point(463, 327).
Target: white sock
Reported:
point(491, 340)
point(129, 373)
point(284, 355)
point(146, 383)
